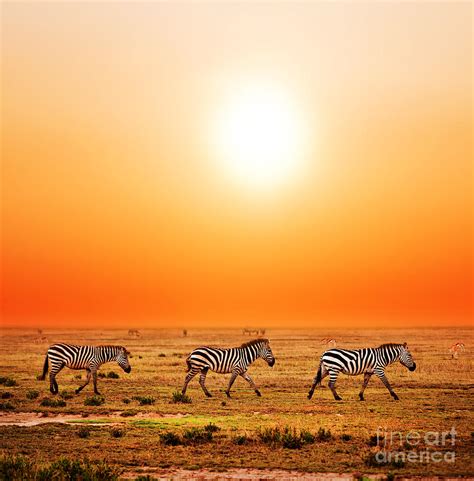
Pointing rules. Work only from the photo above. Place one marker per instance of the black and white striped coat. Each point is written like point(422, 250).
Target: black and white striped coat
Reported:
point(367, 361)
point(234, 360)
point(89, 358)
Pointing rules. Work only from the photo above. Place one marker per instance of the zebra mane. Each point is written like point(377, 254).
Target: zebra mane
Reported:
point(390, 344)
point(110, 346)
point(254, 342)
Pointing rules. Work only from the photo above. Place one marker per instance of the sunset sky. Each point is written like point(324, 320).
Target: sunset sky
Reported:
point(132, 195)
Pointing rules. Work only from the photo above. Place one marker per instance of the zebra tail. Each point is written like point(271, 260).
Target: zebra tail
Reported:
point(188, 362)
point(45, 368)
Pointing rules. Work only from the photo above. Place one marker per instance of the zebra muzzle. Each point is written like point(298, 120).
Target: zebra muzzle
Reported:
point(412, 368)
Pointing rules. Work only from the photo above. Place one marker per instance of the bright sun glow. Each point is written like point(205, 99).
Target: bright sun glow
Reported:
point(260, 137)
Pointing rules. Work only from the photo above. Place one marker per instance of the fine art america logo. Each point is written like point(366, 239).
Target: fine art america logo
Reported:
point(416, 447)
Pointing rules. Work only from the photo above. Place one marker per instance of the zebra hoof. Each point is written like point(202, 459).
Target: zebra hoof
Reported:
point(361, 398)
point(208, 394)
point(310, 395)
point(396, 398)
point(77, 391)
point(338, 398)
point(258, 393)
point(228, 394)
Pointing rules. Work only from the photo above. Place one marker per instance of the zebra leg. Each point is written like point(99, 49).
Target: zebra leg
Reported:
point(80, 388)
point(381, 375)
point(53, 385)
point(321, 374)
point(367, 377)
point(202, 381)
point(231, 381)
point(94, 379)
point(252, 384)
point(188, 378)
point(332, 383)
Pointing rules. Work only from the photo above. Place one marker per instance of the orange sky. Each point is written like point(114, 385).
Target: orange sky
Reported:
point(115, 213)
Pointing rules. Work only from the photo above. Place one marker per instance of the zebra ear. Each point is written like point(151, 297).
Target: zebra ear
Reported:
point(405, 345)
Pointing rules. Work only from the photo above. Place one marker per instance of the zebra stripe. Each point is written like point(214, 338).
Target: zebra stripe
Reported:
point(89, 358)
point(368, 361)
point(235, 360)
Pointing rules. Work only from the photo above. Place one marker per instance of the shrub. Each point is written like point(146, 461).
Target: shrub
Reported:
point(129, 413)
point(32, 394)
point(6, 406)
point(94, 401)
point(197, 435)
point(162, 354)
point(117, 433)
point(101, 375)
point(346, 437)
point(53, 403)
point(15, 468)
point(291, 439)
point(113, 375)
point(287, 437)
point(211, 428)
point(8, 381)
point(19, 468)
point(7, 395)
point(83, 432)
point(323, 435)
point(78, 376)
point(144, 400)
point(181, 398)
point(240, 439)
point(170, 439)
point(67, 469)
point(126, 401)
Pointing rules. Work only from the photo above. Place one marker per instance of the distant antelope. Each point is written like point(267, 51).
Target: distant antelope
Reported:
point(328, 341)
point(40, 340)
point(89, 358)
point(253, 331)
point(455, 349)
point(134, 333)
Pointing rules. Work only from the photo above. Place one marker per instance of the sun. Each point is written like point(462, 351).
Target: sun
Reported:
point(260, 136)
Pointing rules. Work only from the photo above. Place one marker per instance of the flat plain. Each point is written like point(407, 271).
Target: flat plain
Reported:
point(139, 428)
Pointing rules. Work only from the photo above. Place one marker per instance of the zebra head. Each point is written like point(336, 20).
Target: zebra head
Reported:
point(122, 360)
point(266, 352)
point(405, 357)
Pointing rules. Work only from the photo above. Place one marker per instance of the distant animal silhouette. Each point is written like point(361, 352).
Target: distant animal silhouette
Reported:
point(235, 360)
point(455, 349)
point(40, 340)
point(253, 331)
point(185, 332)
point(328, 341)
point(368, 361)
point(89, 358)
point(134, 333)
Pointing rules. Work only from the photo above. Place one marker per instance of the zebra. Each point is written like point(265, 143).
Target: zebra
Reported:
point(235, 360)
point(368, 361)
point(89, 358)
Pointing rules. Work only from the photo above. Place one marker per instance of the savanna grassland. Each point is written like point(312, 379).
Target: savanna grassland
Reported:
point(138, 428)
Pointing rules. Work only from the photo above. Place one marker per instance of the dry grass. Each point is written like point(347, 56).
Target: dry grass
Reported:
point(437, 396)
